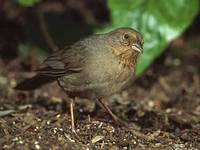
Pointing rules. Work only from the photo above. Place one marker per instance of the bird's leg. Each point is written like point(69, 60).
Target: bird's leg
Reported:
point(71, 107)
point(121, 122)
point(73, 128)
point(72, 114)
point(107, 109)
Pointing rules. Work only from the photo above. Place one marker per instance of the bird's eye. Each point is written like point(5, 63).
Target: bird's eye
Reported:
point(126, 37)
point(125, 40)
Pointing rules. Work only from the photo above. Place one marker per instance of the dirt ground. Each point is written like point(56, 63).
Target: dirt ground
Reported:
point(163, 106)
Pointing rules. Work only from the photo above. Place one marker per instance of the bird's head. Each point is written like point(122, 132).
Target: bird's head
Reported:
point(127, 44)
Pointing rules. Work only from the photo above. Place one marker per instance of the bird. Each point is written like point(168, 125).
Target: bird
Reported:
point(94, 67)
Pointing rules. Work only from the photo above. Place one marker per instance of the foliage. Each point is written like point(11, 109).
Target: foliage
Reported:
point(27, 3)
point(159, 21)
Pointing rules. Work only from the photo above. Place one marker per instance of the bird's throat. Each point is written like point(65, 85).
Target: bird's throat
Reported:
point(128, 59)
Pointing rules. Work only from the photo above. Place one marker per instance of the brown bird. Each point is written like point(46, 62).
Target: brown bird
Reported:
point(95, 67)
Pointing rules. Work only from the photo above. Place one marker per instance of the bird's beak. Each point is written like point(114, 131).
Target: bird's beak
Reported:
point(137, 48)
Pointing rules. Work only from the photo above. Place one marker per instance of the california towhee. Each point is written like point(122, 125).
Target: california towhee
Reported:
point(94, 67)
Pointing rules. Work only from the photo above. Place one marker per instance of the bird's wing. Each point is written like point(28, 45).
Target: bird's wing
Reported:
point(66, 61)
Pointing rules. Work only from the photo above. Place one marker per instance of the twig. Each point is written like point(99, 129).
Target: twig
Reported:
point(43, 27)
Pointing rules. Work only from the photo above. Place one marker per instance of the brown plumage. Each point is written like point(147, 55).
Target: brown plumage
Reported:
point(95, 67)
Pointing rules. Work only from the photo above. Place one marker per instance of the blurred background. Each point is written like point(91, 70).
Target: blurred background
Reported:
point(38, 25)
point(164, 101)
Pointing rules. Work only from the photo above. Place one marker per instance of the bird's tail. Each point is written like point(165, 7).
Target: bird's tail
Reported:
point(34, 82)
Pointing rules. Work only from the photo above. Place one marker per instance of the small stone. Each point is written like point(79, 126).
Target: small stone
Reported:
point(55, 99)
point(37, 146)
point(97, 139)
point(151, 104)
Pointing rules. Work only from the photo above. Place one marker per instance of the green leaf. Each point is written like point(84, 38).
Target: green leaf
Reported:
point(160, 21)
point(27, 3)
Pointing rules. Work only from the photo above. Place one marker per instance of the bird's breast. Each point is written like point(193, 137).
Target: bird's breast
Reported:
point(103, 75)
point(106, 75)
